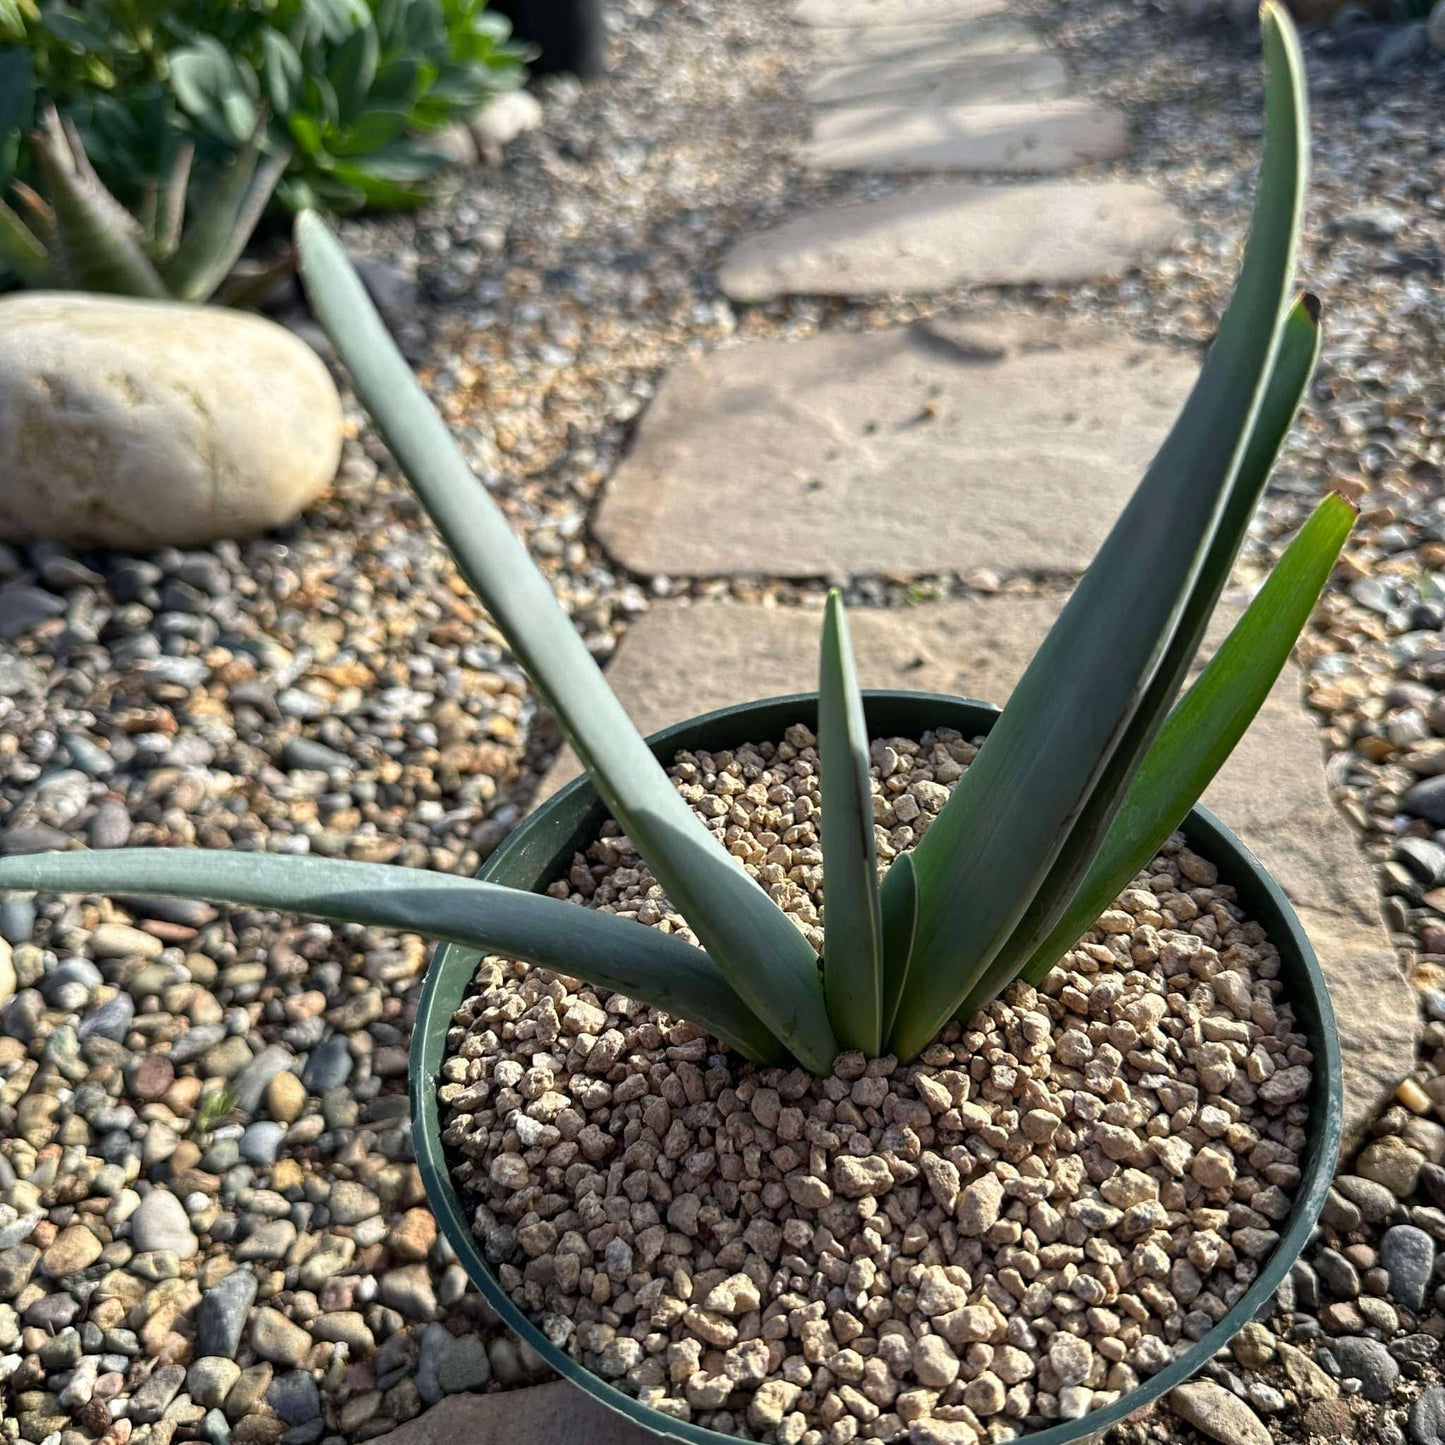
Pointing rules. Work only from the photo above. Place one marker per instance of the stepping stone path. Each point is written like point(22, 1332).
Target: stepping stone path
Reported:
point(841, 14)
point(943, 85)
point(1051, 233)
point(949, 76)
point(1019, 139)
point(679, 661)
point(920, 45)
point(788, 458)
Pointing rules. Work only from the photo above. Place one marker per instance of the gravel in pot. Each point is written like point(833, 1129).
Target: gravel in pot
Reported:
point(1045, 1209)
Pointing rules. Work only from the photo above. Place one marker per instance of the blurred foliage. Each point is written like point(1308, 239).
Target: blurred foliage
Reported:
point(348, 89)
point(77, 236)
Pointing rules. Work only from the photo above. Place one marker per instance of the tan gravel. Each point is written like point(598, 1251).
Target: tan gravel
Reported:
point(1015, 1229)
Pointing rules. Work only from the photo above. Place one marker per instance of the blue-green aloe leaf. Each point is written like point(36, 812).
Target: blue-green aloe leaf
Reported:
point(604, 950)
point(899, 925)
point(991, 847)
point(1203, 729)
point(853, 945)
point(1294, 363)
point(762, 953)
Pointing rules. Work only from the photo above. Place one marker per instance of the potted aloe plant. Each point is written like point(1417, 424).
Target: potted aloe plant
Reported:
point(984, 1168)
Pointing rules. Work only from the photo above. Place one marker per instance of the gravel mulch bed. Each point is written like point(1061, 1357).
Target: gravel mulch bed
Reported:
point(1015, 1229)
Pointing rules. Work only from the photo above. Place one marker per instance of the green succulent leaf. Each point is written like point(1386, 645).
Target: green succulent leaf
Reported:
point(373, 130)
point(609, 952)
point(171, 213)
point(758, 948)
point(281, 69)
point(98, 244)
point(71, 30)
point(397, 86)
point(334, 20)
point(353, 68)
point(898, 905)
point(991, 847)
point(853, 951)
point(1293, 365)
point(15, 16)
point(216, 89)
point(1203, 729)
point(223, 223)
point(17, 104)
point(22, 250)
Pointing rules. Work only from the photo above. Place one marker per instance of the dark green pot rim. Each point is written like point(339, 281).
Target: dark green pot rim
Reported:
point(541, 849)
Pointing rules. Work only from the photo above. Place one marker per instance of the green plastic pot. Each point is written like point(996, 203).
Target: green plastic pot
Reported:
point(540, 851)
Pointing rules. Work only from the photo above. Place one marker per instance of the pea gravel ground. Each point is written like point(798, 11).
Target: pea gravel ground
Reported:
point(210, 1223)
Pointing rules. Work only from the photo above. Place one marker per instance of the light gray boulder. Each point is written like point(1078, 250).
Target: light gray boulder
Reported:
point(141, 424)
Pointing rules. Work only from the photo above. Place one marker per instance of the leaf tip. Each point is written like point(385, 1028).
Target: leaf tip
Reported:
point(307, 228)
point(1312, 306)
point(1338, 499)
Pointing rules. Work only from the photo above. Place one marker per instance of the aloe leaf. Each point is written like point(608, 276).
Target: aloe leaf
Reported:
point(853, 948)
point(173, 212)
point(223, 224)
point(606, 951)
point(991, 847)
point(1294, 363)
point(1203, 729)
point(97, 242)
point(40, 211)
point(763, 954)
point(21, 249)
point(899, 924)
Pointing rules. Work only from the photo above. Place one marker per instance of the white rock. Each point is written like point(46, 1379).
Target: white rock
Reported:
point(140, 424)
point(502, 120)
point(1210, 1408)
point(161, 1223)
point(456, 143)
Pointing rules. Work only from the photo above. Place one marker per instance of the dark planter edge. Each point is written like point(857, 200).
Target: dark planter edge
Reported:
point(527, 857)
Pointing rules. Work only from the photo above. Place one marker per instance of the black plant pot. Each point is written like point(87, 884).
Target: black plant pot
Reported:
point(541, 850)
point(567, 32)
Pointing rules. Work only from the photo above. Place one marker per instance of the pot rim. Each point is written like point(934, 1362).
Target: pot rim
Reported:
point(538, 847)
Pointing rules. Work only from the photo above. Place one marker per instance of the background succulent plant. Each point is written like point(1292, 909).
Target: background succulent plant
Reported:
point(1090, 767)
point(348, 89)
point(79, 237)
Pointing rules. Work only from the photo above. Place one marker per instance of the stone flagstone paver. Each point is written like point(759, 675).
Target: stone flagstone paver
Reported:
point(678, 661)
point(557, 1413)
point(836, 14)
point(993, 439)
point(946, 78)
point(1021, 138)
point(918, 44)
point(959, 234)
